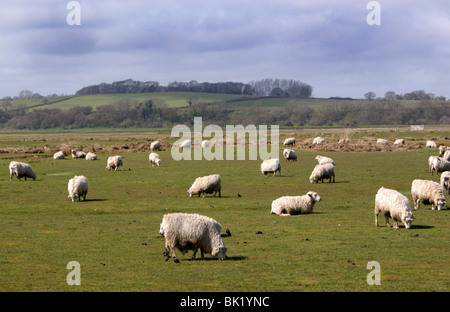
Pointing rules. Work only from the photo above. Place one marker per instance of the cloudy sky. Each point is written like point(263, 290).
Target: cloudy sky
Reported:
point(325, 43)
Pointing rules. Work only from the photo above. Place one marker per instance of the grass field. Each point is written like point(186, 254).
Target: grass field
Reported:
point(114, 234)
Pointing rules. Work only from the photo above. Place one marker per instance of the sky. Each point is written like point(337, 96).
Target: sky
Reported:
point(327, 44)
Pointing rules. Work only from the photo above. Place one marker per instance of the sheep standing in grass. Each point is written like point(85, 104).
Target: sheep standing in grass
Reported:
point(440, 165)
point(58, 155)
point(206, 185)
point(431, 144)
point(324, 160)
point(77, 187)
point(21, 170)
point(289, 154)
point(443, 149)
point(428, 192)
point(321, 172)
point(205, 144)
point(191, 232)
point(294, 205)
point(445, 181)
point(154, 159)
point(289, 141)
point(185, 144)
point(114, 162)
point(91, 156)
point(318, 140)
point(393, 205)
point(155, 146)
point(78, 154)
point(432, 161)
point(271, 166)
point(399, 142)
point(382, 141)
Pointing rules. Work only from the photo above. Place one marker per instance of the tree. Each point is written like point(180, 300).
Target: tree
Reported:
point(6, 103)
point(370, 95)
point(390, 96)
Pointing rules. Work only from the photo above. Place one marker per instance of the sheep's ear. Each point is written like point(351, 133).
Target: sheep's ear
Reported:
point(309, 194)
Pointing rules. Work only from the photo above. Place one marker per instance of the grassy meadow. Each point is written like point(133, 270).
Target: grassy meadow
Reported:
point(114, 233)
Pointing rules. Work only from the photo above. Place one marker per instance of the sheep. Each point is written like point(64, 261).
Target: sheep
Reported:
point(441, 165)
point(58, 155)
point(442, 150)
point(77, 187)
point(206, 185)
point(321, 172)
point(393, 205)
point(289, 141)
point(318, 140)
point(432, 161)
point(399, 142)
point(114, 162)
point(185, 144)
point(91, 156)
point(154, 159)
point(205, 144)
point(289, 154)
point(445, 181)
point(382, 141)
point(155, 146)
point(431, 144)
point(21, 170)
point(271, 166)
point(294, 205)
point(344, 141)
point(78, 154)
point(324, 160)
point(428, 192)
point(190, 232)
point(446, 155)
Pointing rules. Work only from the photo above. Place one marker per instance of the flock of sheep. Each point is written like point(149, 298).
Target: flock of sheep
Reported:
point(192, 231)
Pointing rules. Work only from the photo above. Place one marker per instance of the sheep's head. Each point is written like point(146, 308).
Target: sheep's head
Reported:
point(440, 203)
point(220, 252)
point(73, 197)
point(407, 218)
point(315, 197)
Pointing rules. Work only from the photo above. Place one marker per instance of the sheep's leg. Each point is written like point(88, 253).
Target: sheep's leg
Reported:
point(174, 256)
point(376, 218)
point(387, 221)
point(395, 224)
point(202, 255)
point(195, 251)
point(166, 254)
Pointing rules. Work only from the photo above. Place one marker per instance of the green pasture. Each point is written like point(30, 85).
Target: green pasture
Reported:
point(114, 233)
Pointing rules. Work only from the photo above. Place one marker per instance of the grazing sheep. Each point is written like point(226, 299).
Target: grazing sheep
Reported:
point(382, 141)
point(21, 170)
point(344, 141)
point(432, 163)
point(205, 144)
point(318, 140)
point(185, 144)
point(58, 155)
point(91, 156)
point(77, 187)
point(191, 232)
point(271, 166)
point(154, 159)
point(399, 142)
point(114, 162)
point(431, 144)
point(155, 146)
point(446, 155)
point(289, 141)
point(321, 172)
point(324, 160)
point(289, 154)
point(428, 192)
point(294, 205)
point(441, 165)
point(445, 181)
point(206, 185)
point(78, 154)
point(443, 149)
point(393, 205)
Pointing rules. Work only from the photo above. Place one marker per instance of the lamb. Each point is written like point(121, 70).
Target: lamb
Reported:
point(318, 140)
point(382, 141)
point(428, 192)
point(78, 154)
point(393, 205)
point(191, 232)
point(91, 156)
point(77, 187)
point(324, 160)
point(294, 205)
point(21, 170)
point(445, 181)
point(154, 159)
point(271, 166)
point(114, 162)
point(321, 172)
point(431, 144)
point(289, 154)
point(206, 185)
point(155, 146)
point(289, 141)
point(58, 155)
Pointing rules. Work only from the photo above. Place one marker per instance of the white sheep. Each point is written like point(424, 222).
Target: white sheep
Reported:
point(432, 162)
point(293, 205)
point(205, 144)
point(155, 146)
point(324, 160)
point(446, 155)
point(78, 154)
point(289, 141)
point(321, 172)
point(191, 232)
point(206, 185)
point(440, 165)
point(443, 149)
point(21, 170)
point(318, 140)
point(393, 205)
point(91, 156)
point(154, 159)
point(77, 187)
point(445, 181)
point(431, 144)
point(382, 141)
point(344, 141)
point(428, 192)
point(289, 154)
point(271, 166)
point(114, 162)
point(399, 142)
point(58, 155)
point(185, 144)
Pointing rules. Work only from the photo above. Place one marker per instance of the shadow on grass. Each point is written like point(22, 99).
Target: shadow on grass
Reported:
point(234, 258)
point(420, 227)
